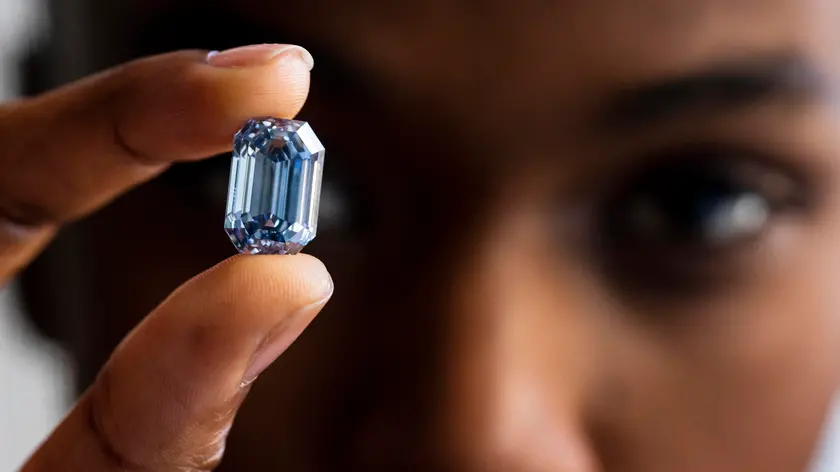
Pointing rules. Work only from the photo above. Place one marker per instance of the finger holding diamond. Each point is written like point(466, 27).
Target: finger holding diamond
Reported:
point(70, 151)
point(167, 397)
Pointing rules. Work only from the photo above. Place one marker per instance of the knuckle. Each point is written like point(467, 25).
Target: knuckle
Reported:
point(116, 446)
point(18, 217)
point(96, 408)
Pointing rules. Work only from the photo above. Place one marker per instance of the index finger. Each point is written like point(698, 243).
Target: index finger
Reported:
point(68, 152)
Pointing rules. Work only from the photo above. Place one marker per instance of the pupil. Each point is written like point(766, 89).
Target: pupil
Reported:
point(690, 206)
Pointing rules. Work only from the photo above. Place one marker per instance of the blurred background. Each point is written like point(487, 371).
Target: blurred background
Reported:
point(35, 375)
point(52, 346)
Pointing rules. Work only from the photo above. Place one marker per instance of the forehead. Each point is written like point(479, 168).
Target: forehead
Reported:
point(442, 40)
point(476, 60)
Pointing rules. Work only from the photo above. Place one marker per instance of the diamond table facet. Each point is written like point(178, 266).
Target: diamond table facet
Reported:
point(275, 187)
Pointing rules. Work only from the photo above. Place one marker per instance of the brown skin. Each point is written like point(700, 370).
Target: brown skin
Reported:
point(481, 321)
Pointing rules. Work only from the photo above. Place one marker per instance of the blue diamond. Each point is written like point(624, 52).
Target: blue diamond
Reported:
point(275, 187)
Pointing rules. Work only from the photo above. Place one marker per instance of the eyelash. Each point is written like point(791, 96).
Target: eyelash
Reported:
point(671, 254)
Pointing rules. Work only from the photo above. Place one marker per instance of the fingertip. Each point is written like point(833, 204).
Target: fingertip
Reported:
point(302, 278)
point(237, 302)
point(191, 109)
point(259, 54)
point(192, 357)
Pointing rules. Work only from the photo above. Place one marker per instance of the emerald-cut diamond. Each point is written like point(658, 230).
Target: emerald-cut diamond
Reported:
point(275, 187)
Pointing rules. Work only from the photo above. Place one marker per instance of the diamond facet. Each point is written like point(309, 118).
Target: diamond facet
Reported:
point(275, 187)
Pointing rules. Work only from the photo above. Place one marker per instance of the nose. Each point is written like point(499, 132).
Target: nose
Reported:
point(518, 361)
point(493, 374)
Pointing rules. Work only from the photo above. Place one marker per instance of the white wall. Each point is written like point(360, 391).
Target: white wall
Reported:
point(34, 376)
point(34, 385)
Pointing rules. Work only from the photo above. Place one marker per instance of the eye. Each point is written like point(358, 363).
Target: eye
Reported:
point(692, 216)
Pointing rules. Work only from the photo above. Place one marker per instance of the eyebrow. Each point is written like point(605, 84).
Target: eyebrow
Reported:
point(718, 89)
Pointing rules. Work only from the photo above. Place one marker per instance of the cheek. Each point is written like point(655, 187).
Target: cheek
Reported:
point(779, 342)
point(756, 369)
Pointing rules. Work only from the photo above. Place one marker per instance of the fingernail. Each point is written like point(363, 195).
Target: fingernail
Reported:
point(280, 339)
point(257, 55)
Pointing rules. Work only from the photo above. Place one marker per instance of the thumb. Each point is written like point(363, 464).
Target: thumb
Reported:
point(167, 397)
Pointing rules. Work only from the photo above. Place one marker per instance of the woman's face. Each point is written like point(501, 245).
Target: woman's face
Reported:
point(588, 235)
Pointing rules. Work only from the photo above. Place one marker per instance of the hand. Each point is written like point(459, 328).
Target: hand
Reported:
point(167, 397)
